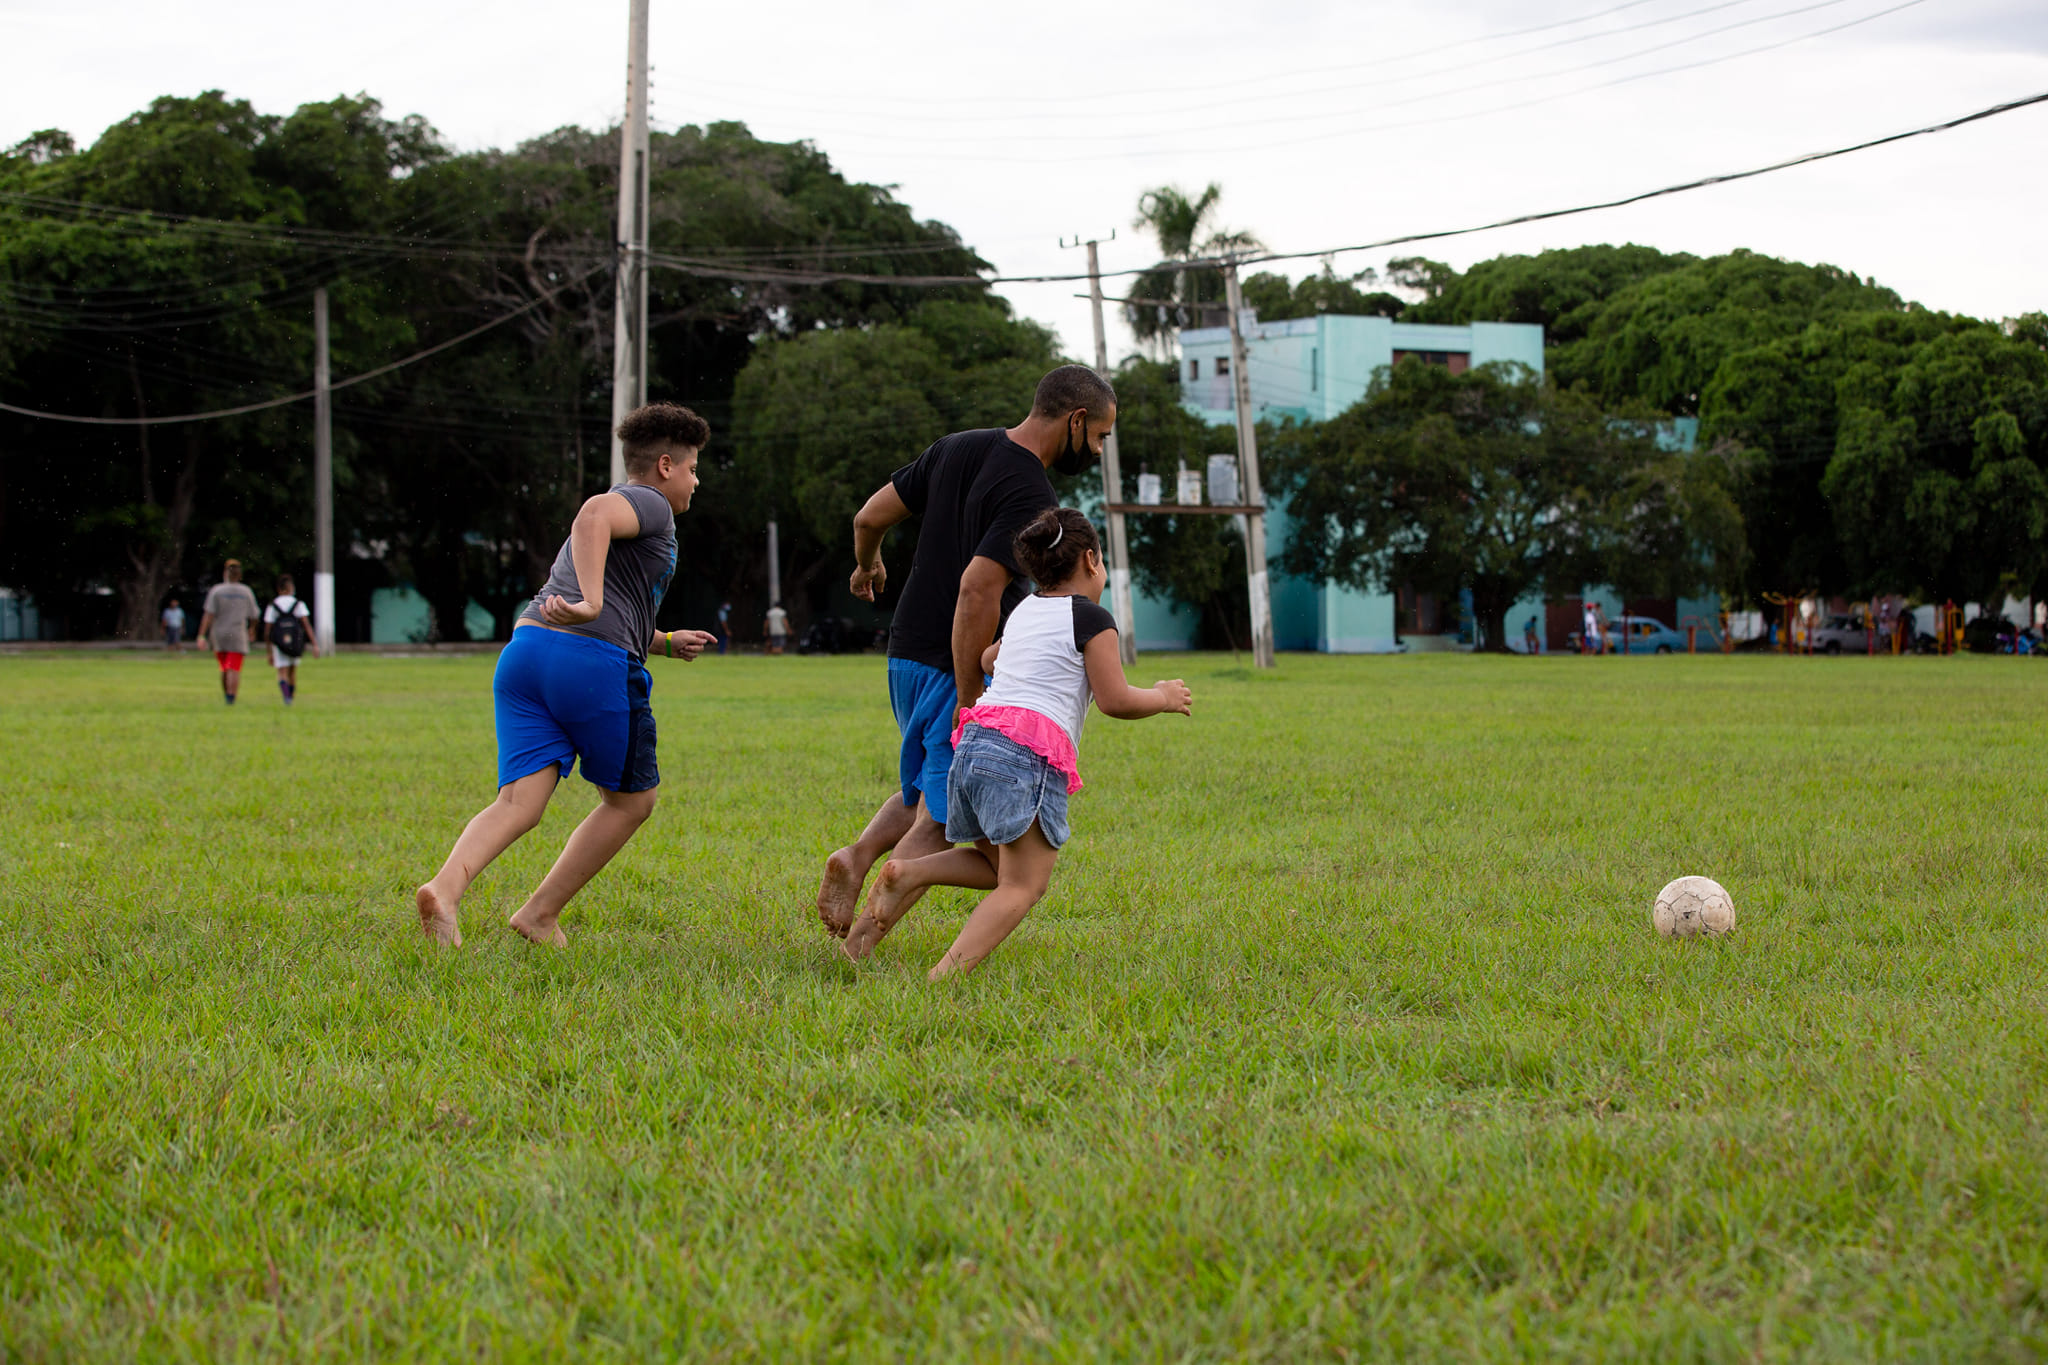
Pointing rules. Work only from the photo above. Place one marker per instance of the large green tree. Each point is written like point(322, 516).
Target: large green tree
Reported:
point(112, 313)
point(1902, 452)
point(824, 417)
point(458, 473)
point(1499, 483)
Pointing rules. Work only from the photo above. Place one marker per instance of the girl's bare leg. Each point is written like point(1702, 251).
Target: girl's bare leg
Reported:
point(591, 845)
point(1023, 871)
point(490, 832)
point(902, 880)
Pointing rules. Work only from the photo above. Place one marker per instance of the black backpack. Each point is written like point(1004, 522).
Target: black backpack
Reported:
point(288, 635)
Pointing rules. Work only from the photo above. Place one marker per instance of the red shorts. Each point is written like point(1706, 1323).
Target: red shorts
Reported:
point(229, 663)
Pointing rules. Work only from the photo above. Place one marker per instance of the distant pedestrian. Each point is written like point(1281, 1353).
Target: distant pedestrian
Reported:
point(777, 624)
point(288, 627)
point(224, 626)
point(174, 627)
point(1589, 639)
point(724, 625)
point(1531, 642)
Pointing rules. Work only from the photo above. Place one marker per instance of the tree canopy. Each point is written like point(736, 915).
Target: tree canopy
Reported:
point(169, 268)
point(1497, 482)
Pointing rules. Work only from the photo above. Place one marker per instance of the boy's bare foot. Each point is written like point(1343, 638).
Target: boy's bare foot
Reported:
point(531, 929)
point(437, 917)
point(839, 893)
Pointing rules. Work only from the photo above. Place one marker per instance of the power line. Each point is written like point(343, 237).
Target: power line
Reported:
point(1036, 134)
point(1214, 148)
point(713, 270)
point(351, 381)
point(1727, 178)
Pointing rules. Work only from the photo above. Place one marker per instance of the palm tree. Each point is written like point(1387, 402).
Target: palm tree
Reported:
point(1186, 296)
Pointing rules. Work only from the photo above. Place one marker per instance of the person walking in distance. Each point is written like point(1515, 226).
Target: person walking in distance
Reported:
point(288, 630)
point(974, 491)
point(724, 626)
point(1532, 643)
point(224, 626)
point(776, 624)
point(573, 685)
point(174, 627)
point(1589, 637)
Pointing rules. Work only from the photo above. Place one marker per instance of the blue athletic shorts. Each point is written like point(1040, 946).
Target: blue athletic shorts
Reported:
point(561, 697)
point(924, 699)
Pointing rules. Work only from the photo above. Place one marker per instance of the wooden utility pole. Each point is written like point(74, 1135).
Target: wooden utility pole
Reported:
point(1120, 604)
point(629, 326)
point(323, 483)
point(1248, 462)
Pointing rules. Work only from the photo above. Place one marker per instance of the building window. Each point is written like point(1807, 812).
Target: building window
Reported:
point(1222, 366)
point(1194, 370)
point(1457, 362)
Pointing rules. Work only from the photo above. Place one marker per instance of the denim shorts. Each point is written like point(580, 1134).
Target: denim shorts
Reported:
point(997, 787)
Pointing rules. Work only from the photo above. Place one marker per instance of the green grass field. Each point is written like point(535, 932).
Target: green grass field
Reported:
point(1342, 1033)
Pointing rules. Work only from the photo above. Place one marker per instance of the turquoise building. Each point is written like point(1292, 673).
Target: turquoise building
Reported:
point(1311, 369)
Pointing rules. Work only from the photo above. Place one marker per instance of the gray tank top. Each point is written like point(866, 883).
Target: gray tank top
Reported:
point(636, 574)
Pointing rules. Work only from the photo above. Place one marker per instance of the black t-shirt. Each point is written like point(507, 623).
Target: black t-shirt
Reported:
point(975, 491)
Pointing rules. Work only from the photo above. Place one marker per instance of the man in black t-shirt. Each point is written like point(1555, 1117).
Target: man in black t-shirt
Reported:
point(974, 491)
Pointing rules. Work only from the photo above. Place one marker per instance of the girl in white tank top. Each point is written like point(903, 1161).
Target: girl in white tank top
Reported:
point(1016, 751)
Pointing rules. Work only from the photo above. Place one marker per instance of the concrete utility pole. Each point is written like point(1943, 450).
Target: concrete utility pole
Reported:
point(1120, 604)
point(1248, 460)
point(629, 327)
point(774, 567)
point(323, 483)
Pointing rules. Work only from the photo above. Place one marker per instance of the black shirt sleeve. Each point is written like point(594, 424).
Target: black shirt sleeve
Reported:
point(1090, 620)
point(1014, 499)
point(914, 481)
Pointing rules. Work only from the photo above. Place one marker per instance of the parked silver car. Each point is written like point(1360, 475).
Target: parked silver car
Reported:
point(1840, 633)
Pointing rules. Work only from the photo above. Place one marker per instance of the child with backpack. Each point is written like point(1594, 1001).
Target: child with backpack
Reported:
point(1014, 758)
point(573, 685)
point(288, 628)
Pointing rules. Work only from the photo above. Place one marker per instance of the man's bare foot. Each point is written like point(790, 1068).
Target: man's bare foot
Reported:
point(533, 930)
point(437, 917)
point(839, 892)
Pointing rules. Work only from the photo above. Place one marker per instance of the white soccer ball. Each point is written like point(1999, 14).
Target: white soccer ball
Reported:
point(1693, 905)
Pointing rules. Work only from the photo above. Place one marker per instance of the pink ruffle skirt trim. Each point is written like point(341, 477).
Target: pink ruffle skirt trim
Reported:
point(1040, 734)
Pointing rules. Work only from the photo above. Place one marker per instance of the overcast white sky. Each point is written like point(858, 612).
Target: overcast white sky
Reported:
point(1326, 123)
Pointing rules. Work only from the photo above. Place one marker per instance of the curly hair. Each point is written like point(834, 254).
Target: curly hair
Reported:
point(1051, 545)
point(648, 430)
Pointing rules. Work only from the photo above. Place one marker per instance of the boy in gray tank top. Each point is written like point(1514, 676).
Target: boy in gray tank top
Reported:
point(573, 685)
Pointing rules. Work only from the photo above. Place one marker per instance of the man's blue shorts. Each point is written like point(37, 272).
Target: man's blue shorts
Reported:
point(924, 699)
point(561, 697)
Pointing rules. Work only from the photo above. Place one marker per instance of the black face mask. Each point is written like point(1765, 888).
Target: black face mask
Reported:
point(1077, 458)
